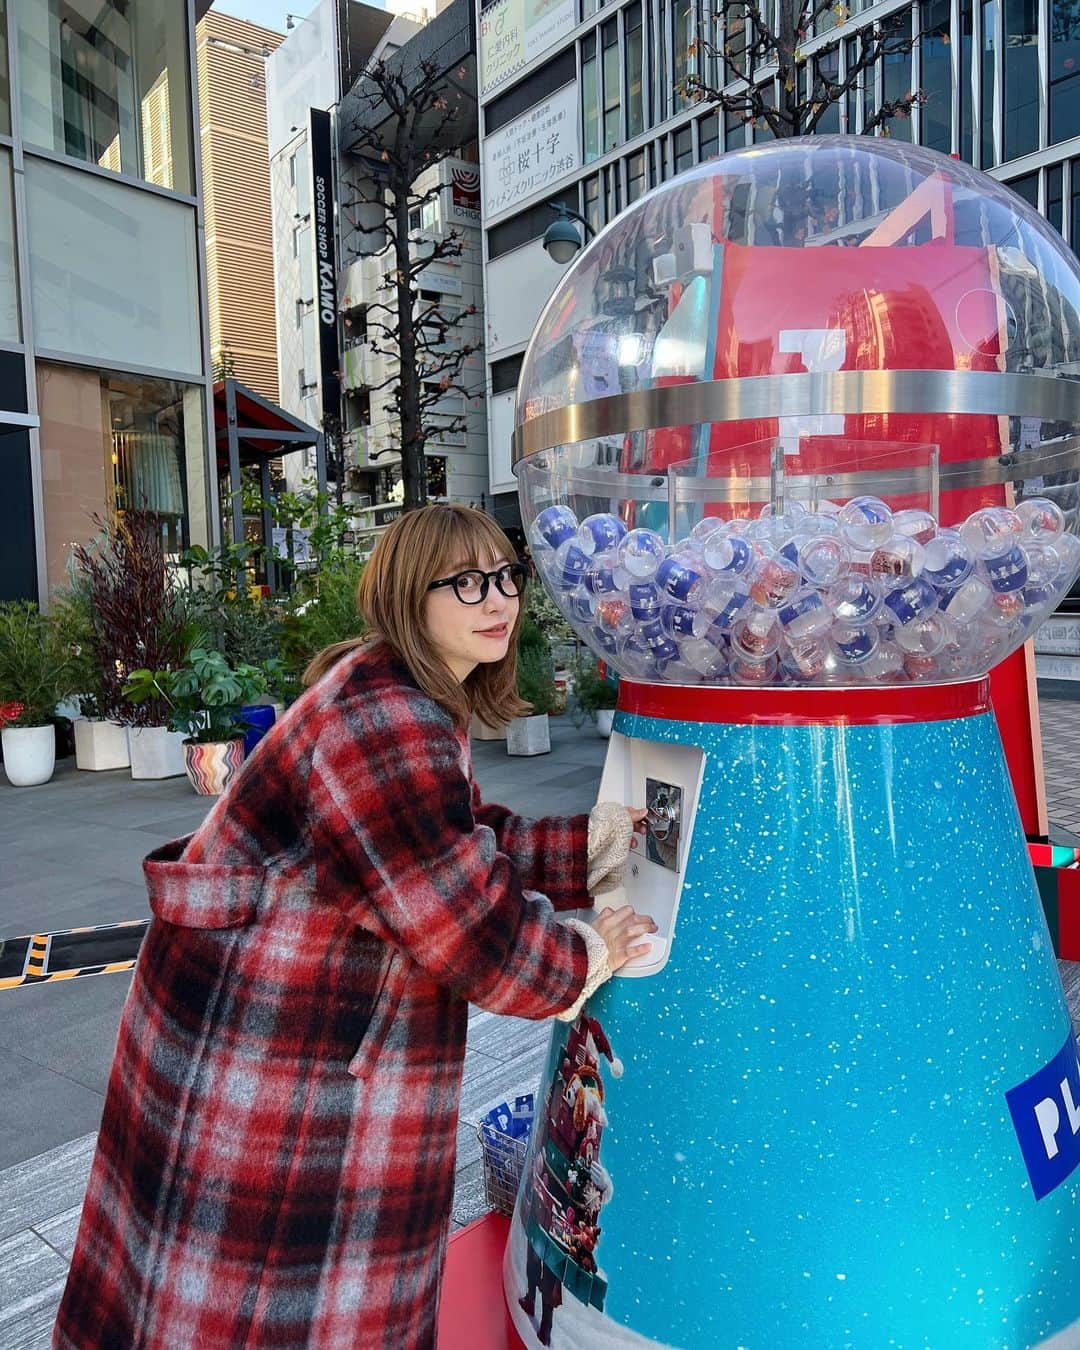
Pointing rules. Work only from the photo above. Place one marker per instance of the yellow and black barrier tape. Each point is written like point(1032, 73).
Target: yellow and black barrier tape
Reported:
point(70, 953)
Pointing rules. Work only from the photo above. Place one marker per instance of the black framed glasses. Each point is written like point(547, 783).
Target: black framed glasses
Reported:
point(471, 587)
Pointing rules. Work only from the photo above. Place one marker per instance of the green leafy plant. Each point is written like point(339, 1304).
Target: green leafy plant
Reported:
point(323, 612)
point(591, 691)
point(36, 668)
point(535, 668)
point(225, 610)
point(204, 697)
point(73, 613)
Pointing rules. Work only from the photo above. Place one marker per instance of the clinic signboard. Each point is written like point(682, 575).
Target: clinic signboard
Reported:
point(513, 32)
point(533, 153)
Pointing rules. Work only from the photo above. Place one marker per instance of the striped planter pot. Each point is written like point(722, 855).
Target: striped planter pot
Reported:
point(212, 766)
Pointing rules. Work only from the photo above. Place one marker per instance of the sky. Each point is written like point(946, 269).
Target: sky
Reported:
point(269, 13)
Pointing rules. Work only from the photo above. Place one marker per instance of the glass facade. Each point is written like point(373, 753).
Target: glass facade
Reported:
point(114, 271)
point(108, 84)
point(113, 442)
point(10, 326)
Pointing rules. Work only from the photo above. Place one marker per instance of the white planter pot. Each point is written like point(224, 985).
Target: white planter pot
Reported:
point(604, 719)
point(29, 754)
point(100, 744)
point(528, 736)
point(156, 752)
point(480, 731)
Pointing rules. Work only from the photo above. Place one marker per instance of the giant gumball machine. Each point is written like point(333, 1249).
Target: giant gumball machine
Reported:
point(797, 450)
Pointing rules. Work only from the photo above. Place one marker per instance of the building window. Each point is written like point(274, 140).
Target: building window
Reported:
point(114, 268)
point(1074, 204)
point(612, 88)
point(682, 38)
point(504, 374)
point(1028, 188)
point(989, 84)
point(636, 185)
point(132, 443)
point(1064, 70)
point(936, 76)
point(684, 149)
point(108, 84)
point(967, 41)
point(303, 249)
point(709, 137)
point(527, 225)
point(436, 475)
point(590, 98)
point(897, 73)
point(635, 72)
point(827, 67)
point(533, 89)
point(1021, 111)
point(851, 97)
point(591, 188)
point(614, 191)
point(1054, 195)
point(734, 131)
point(10, 326)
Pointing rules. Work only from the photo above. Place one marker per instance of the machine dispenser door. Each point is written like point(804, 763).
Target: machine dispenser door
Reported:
point(665, 780)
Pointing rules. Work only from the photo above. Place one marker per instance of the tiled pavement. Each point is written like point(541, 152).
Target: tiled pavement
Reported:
point(56, 1040)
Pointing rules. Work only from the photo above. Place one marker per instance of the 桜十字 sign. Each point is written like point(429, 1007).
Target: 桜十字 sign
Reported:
point(512, 32)
point(532, 153)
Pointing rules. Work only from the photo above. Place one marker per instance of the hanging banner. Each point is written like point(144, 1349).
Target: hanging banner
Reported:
point(513, 32)
point(531, 154)
point(322, 191)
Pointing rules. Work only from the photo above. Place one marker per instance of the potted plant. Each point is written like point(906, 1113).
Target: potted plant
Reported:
point(138, 623)
point(531, 734)
point(594, 696)
point(101, 740)
point(204, 697)
point(35, 674)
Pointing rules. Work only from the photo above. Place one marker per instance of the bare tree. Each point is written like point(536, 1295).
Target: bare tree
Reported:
point(405, 124)
point(764, 76)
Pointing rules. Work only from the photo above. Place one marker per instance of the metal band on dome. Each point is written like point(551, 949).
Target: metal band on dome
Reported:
point(964, 392)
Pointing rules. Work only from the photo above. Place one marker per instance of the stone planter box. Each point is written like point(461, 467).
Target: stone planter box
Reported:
point(156, 752)
point(29, 754)
point(100, 744)
point(528, 736)
point(480, 731)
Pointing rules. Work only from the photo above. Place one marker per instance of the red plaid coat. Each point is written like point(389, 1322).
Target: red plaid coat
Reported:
point(276, 1159)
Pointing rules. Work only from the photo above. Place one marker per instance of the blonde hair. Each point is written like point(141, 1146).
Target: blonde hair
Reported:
point(421, 546)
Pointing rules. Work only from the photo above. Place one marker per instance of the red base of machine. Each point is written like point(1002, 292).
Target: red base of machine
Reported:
point(473, 1313)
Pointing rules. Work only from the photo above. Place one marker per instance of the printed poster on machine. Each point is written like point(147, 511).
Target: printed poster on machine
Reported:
point(512, 32)
point(536, 150)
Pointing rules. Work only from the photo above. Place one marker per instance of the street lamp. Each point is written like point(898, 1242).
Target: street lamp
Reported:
point(561, 240)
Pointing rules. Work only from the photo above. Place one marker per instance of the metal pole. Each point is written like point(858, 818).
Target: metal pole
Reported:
point(235, 486)
point(320, 467)
point(267, 525)
point(935, 481)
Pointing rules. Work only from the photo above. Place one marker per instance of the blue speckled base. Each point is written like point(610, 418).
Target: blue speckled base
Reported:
point(811, 1145)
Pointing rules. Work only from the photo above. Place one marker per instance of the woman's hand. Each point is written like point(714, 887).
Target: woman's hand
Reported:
point(637, 819)
point(619, 928)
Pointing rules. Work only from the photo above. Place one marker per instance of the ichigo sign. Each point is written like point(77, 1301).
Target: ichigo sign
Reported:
point(465, 193)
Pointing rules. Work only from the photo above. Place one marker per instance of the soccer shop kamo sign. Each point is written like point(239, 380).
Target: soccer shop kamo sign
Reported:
point(525, 158)
point(512, 32)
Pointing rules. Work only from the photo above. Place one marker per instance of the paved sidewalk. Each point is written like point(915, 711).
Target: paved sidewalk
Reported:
point(71, 852)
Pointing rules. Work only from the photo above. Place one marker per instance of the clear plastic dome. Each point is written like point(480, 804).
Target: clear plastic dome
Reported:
point(808, 414)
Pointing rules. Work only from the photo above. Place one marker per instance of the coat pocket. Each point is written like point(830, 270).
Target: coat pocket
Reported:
point(201, 895)
point(394, 977)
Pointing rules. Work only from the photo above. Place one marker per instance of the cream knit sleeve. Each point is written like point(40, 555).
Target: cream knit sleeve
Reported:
point(599, 968)
point(610, 831)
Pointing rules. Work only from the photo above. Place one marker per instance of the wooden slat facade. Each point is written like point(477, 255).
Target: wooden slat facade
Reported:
point(236, 193)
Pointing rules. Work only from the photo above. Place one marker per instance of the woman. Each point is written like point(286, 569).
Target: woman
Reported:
point(276, 1158)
